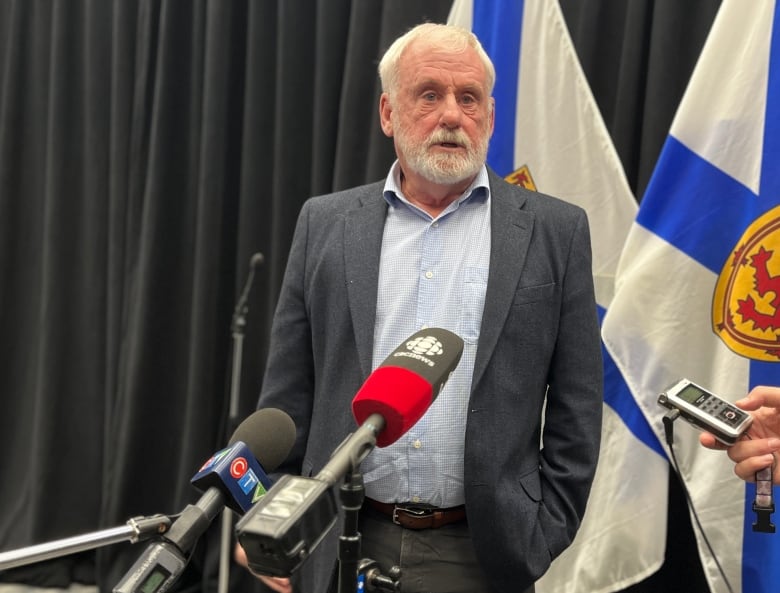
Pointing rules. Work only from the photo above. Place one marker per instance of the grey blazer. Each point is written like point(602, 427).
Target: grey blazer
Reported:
point(537, 376)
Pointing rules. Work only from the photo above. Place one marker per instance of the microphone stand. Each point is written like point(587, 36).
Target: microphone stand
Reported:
point(351, 494)
point(237, 327)
point(356, 573)
point(136, 530)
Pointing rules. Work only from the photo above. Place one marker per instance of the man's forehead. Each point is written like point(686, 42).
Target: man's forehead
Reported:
point(426, 63)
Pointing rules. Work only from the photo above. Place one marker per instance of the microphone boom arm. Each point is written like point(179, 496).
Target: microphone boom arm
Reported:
point(352, 450)
point(136, 529)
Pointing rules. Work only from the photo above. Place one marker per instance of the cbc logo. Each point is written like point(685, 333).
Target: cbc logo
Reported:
point(427, 346)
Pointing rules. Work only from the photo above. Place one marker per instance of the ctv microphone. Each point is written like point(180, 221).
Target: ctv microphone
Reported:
point(279, 533)
point(231, 477)
point(236, 470)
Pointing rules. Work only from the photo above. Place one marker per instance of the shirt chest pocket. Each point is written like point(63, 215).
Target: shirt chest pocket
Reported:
point(472, 302)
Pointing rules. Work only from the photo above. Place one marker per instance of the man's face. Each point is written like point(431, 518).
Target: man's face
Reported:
point(442, 116)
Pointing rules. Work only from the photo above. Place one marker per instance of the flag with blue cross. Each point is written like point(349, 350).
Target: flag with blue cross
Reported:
point(698, 285)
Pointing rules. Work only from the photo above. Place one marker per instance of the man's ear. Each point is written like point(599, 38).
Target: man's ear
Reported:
point(385, 112)
point(492, 114)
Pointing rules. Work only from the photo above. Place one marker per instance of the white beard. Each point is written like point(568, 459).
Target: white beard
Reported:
point(441, 168)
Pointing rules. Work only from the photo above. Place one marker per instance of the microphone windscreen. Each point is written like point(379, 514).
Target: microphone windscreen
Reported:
point(404, 386)
point(399, 395)
point(269, 433)
point(258, 259)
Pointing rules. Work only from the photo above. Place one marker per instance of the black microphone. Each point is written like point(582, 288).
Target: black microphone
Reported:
point(279, 533)
point(234, 476)
point(257, 260)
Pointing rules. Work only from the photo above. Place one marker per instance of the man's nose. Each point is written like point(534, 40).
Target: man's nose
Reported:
point(450, 112)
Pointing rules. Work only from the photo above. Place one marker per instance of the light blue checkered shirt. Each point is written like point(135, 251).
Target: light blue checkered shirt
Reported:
point(432, 273)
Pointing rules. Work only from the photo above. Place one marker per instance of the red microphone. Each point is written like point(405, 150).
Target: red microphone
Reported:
point(405, 385)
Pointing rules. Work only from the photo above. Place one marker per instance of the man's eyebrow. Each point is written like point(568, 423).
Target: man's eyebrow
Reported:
point(473, 88)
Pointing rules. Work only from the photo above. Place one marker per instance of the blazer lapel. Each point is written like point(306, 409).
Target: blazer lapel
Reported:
point(511, 228)
point(363, 230)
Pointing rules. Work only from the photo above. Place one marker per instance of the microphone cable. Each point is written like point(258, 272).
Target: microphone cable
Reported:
point(668, 421)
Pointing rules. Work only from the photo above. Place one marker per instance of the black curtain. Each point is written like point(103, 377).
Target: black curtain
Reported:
point(147, 149)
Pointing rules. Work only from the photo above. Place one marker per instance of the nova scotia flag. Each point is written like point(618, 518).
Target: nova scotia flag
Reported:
point(698, 282)
point(549, 135)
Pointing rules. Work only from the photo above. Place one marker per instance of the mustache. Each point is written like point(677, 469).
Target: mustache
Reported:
point(442, 136)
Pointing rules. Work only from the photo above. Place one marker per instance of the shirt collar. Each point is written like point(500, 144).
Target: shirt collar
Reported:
point(478, 190)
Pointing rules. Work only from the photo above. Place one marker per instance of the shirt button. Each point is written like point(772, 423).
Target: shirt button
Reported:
point(429, 275)
point(415, 499)
point(417, 444)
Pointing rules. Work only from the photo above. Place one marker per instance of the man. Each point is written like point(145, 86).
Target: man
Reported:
point(444, 242)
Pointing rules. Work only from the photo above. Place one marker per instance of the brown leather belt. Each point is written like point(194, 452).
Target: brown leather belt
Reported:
point(412, 516)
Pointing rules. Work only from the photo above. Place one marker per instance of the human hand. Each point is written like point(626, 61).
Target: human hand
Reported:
point(755, 452)
point(278, 584)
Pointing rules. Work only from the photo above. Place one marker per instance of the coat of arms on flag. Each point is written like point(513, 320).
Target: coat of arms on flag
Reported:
point(522, 177)
point(746, 304)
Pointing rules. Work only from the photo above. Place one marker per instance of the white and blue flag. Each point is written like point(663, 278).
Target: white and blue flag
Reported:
point(698, 286)
point(549, 135)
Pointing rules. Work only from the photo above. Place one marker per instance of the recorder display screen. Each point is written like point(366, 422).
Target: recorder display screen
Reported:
point(690, 394)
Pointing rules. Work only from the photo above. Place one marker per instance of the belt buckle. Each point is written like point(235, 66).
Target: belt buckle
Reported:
point(415, 511)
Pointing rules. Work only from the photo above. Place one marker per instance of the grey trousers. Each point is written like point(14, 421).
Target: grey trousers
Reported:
point(431, 560)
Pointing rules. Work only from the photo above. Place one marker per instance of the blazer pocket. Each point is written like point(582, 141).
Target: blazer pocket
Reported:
point(534, 294)
point(532, 485)
point(532, 324)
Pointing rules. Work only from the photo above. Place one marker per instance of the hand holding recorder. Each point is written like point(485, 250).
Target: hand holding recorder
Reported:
point(727, 426)
point(755, 453)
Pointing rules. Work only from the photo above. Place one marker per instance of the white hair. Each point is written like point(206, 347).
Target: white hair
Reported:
point(449, 37)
